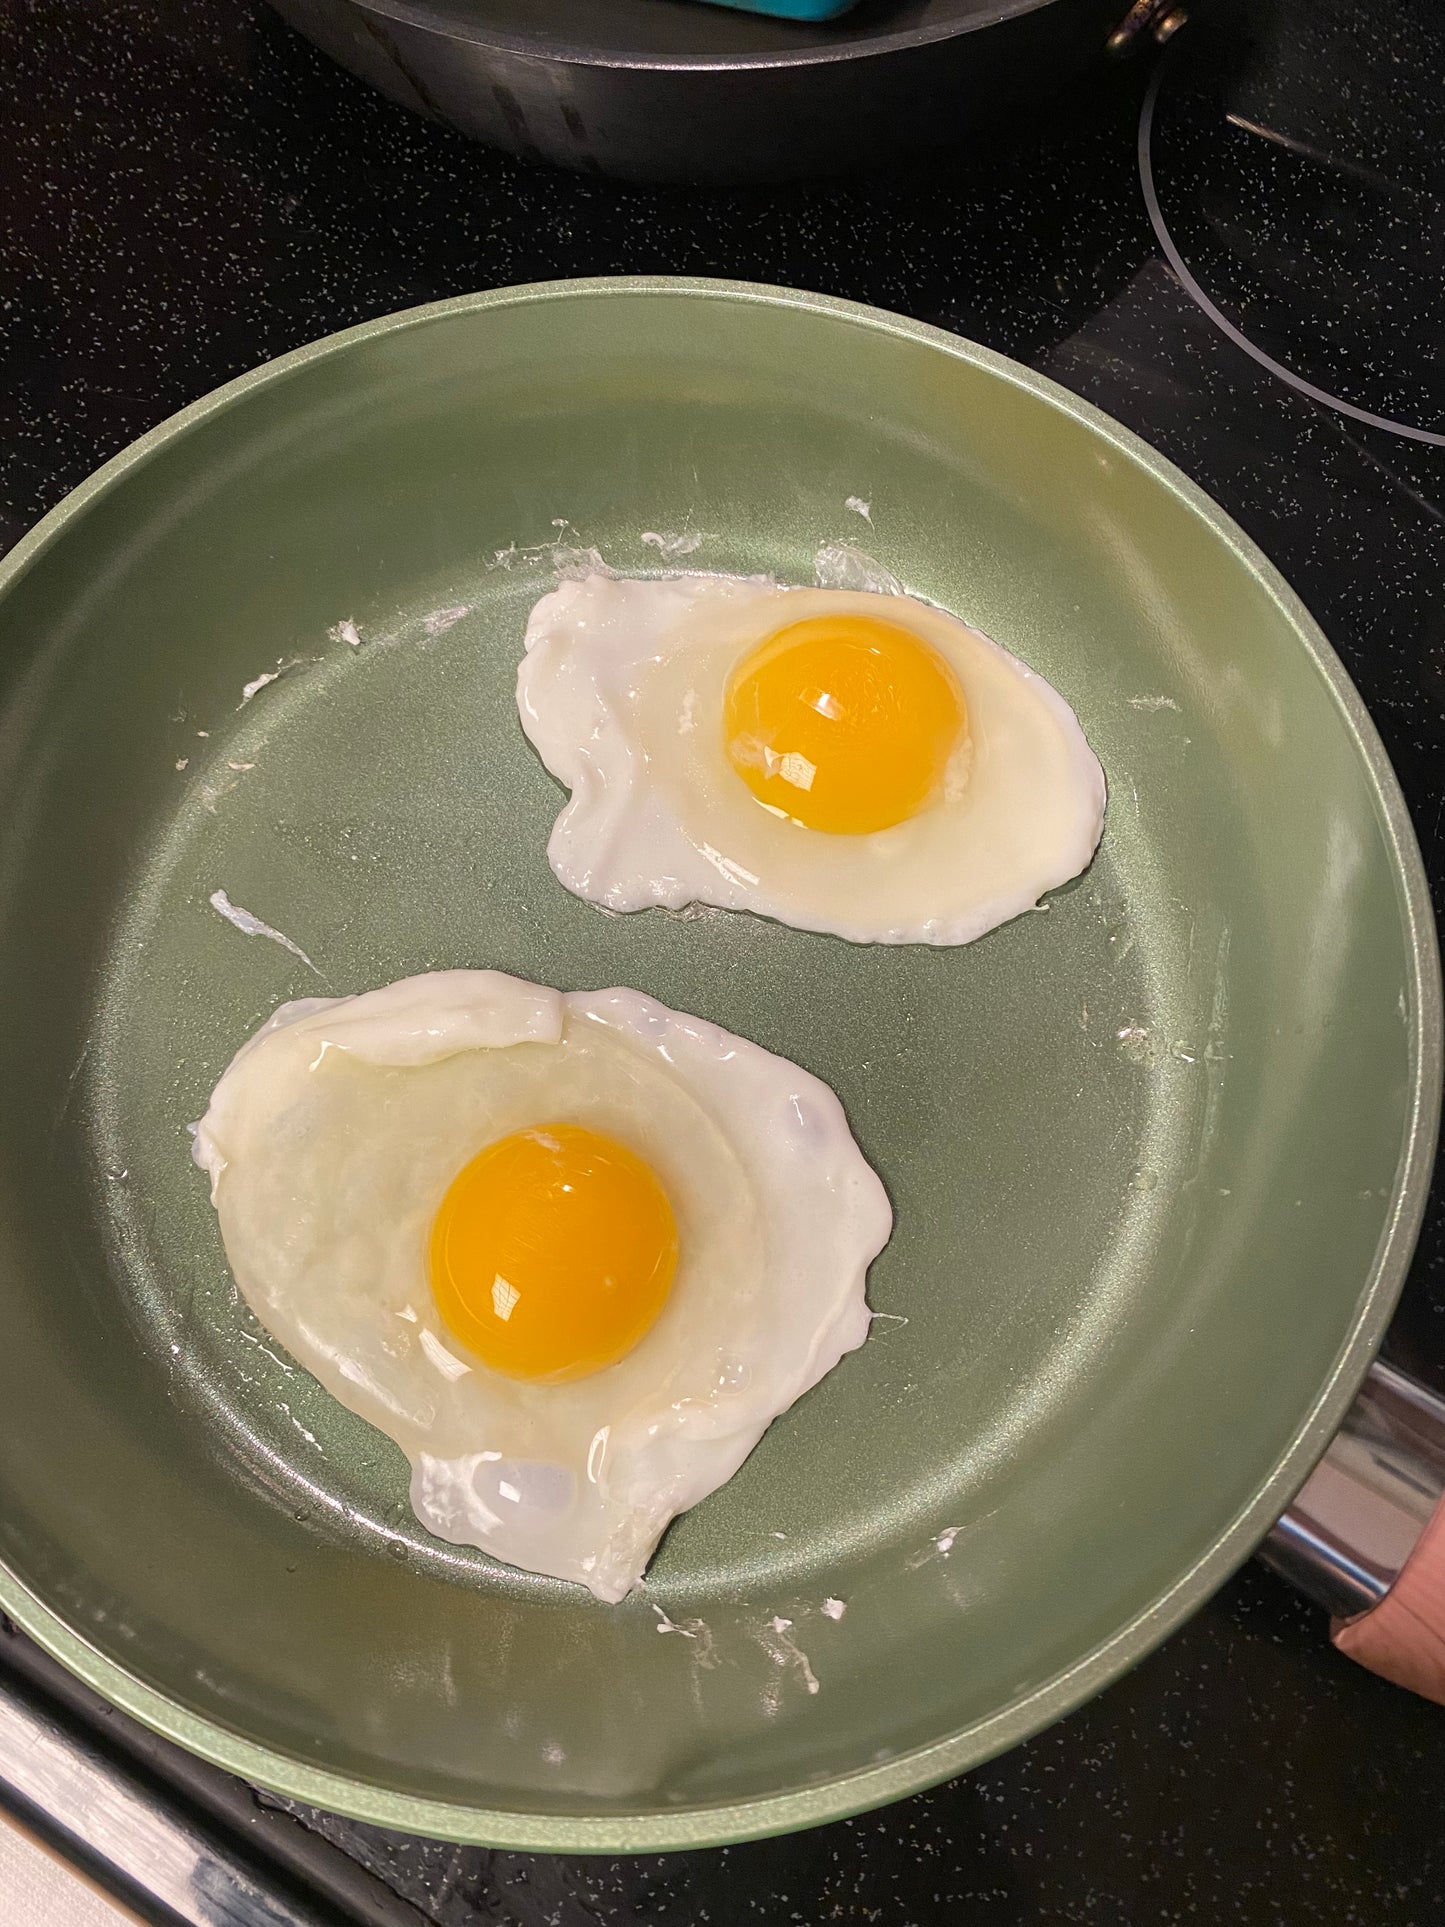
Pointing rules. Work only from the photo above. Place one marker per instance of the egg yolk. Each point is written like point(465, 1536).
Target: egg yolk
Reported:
point(843, 723)
point(552, 1253)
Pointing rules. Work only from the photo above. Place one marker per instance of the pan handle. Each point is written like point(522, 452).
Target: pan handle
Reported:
point(1365, 1536)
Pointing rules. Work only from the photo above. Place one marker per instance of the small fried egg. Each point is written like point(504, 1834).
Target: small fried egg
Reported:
point(848, 762)
point(573, 1253)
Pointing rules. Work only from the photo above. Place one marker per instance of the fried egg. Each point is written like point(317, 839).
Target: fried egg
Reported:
point(847, 762)
point(573, 1253)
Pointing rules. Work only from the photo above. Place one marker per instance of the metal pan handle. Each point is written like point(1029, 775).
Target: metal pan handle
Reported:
point(1365, 1537)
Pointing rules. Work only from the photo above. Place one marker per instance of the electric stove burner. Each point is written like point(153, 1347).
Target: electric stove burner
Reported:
point(1297, 186)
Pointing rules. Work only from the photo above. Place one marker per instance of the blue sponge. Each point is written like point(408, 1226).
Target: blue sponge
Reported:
point(792, 9)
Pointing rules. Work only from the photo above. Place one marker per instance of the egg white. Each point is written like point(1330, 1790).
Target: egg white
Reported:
point(621, 692)
point(331, 1140)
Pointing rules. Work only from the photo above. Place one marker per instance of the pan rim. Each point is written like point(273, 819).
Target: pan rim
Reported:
point(429, 19)
point(911, 1772)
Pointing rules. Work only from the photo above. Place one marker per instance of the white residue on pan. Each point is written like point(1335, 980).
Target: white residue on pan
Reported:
point(252, 926)
point(1137, 1044)
point(419, 630)
point(776, 1639)
point(843, 565)
point(571, 564)
point(887, 1318)
point(250, 1338)
point(670, 546)
point(258, 683)
point(704, 1653)
point(569, 560)
point(310, 1437)
point(1154, 703)
point(833, 1608)
point(440, 620)
point(215, 792)
point(938, 1547)
point(836, 565)
point(182, 761)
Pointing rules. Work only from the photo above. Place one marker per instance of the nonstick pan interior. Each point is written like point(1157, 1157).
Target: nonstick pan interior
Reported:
point(1157, 1151)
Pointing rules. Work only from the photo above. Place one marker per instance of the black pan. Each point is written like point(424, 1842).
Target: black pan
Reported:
point(675, 90)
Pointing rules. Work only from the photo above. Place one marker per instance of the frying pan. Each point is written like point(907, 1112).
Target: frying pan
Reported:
point(1158, 1153)
point(671, 90)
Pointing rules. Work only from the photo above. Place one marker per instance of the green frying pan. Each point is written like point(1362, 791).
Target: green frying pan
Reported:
point(1158, 1154)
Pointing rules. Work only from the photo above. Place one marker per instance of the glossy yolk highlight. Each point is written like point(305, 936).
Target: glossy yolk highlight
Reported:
point(552, 1253)
point(843, 723)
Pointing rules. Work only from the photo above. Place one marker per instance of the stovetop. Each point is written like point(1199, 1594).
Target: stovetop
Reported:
point(193, 189)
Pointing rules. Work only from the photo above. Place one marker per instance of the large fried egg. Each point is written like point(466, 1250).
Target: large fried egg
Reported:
point(573, 1253)
point(856, 763)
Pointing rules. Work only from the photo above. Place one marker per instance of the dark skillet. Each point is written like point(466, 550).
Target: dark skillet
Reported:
point(675, 90)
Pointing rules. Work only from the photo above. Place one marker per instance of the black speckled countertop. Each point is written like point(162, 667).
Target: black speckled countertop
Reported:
point(192, 189)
